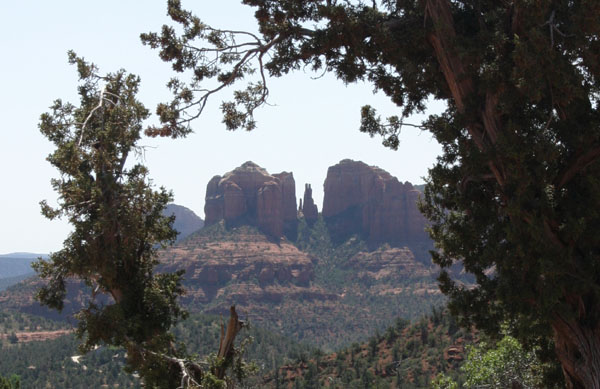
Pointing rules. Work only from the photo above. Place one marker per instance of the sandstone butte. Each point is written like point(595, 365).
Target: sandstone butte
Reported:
point(250, 195)
point(366, 200)
point(358, 199)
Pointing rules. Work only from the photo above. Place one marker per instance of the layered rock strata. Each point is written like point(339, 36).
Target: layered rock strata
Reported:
point(288, 196)
point(245, 265)
point(395, 264)
point(250, 195)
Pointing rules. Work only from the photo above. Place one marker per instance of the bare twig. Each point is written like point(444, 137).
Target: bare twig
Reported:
point(100, 102)
point(190, 370)
point(103, 92)
point(553, 28)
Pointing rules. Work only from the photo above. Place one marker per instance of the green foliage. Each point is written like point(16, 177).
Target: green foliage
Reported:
point(265, 348)
point(117, 220)
point(333, 273)
point(12, 382)
point(12, 338)
point(397, 358)
point(506, 365)
point(49, 363)
point(317, 241)
point(443, 382)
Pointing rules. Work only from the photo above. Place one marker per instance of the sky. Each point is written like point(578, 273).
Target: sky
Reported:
point(310, 125)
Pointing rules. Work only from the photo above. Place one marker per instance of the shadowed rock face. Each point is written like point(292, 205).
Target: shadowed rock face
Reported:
point(288, 194)
point(250, 195)
point(309, 208)
point(366, 200)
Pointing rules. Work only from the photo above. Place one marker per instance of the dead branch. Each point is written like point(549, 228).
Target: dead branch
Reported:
point(227, 341)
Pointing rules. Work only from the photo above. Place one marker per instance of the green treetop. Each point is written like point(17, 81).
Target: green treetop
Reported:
point(515, 195)
point(12, 382)
point(118, 226)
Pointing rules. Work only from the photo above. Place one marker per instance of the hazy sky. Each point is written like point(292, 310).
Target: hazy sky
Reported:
point(312, 124)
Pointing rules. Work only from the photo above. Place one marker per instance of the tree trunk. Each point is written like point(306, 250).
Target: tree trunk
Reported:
point(577, 339)
point(577, 345)
point(484, 131)
point(226, 343)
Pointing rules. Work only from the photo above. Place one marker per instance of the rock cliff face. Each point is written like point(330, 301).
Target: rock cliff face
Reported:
point(309, 208)
point(366, 200)
point(390, 264)
point(250, 195)
point(244, 268)
point(288, 196)
point(37, 336)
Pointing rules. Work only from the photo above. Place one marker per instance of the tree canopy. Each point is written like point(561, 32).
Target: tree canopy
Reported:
point(505, 365)
point(118, 227)
point(12, 382)
point(515, 195)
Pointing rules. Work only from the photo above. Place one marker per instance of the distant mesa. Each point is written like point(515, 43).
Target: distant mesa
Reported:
point(368, 201)
point(15, 266)
point(186, 221)
point(250, 195)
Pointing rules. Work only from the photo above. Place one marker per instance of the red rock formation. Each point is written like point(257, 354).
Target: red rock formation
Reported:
point(250, 195)
point(234, 202)
point(213, 206)
point(288, 194)
point(269, 209)
point(37, 336)
point(395, 264)
point(309, 209)
point(214, 266)
point(366, 200)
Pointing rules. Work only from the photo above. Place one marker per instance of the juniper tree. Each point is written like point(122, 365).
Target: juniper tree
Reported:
point(515, 195)
point(118, 227)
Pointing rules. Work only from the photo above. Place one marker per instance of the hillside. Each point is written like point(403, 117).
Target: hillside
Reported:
point(186, 221)
point(10, 281)
point(56, 363)
point(314, 290)
point(405, 355)
point(16, 267)
point(17, 264)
